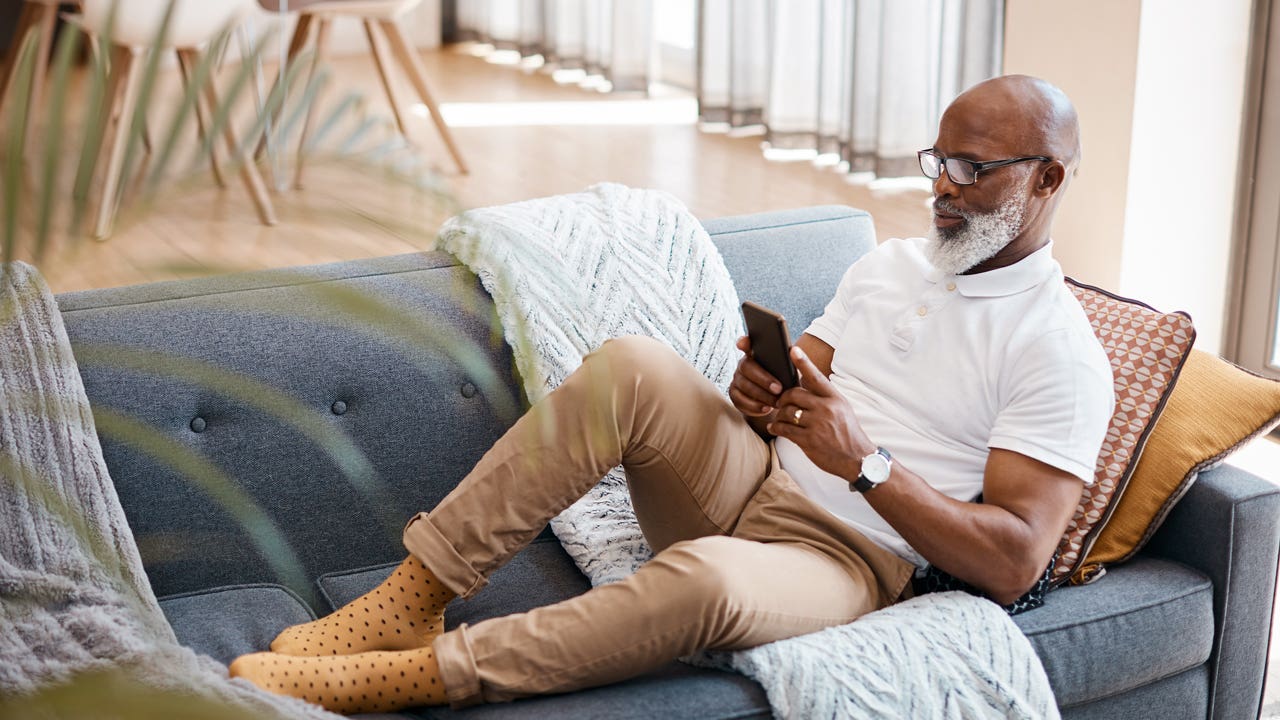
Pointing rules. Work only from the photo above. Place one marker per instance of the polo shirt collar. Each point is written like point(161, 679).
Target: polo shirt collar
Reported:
point(1025, 274)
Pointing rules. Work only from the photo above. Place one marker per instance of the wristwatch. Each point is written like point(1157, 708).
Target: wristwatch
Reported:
point(875, 470)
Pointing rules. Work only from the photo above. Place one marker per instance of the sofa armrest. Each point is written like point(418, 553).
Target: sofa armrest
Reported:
point(1228, 527)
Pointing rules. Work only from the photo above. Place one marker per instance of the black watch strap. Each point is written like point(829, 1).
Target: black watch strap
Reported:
point(862, 484)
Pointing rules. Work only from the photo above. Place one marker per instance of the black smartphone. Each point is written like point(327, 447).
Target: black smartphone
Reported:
point(770, 343)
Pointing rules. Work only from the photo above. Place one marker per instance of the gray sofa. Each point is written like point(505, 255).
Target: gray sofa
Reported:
point(1180, 632)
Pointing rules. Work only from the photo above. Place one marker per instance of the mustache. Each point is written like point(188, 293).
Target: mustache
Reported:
point(950, 209)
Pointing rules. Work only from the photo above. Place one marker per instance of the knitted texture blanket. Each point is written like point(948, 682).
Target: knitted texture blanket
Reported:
point(567, 273)
point(74, 598)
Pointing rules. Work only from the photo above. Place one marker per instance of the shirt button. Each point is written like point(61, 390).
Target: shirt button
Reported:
point(922, 311)
point(951, 287)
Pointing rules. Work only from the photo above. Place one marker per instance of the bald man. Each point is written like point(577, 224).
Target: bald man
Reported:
point(944, 368)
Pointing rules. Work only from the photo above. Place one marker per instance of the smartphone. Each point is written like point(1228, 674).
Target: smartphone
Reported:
point(770, 343)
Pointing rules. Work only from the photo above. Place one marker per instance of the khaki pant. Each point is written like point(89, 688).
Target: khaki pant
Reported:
point(743, 556)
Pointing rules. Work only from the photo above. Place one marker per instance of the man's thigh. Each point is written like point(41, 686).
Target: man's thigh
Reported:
point(755, 593)
point(694, 463)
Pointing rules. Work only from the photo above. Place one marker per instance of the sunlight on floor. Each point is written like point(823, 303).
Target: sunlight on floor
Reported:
point(669, 111)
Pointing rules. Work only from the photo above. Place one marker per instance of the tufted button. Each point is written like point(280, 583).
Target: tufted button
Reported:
point(197, 424)
point(468, 390)
point(338, 407)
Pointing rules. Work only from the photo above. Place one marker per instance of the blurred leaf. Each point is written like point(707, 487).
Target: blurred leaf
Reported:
point(97, 122)
point(115, 694)
point(13, 180)
point(68, 47)
point(353, 463)
point(261, 529)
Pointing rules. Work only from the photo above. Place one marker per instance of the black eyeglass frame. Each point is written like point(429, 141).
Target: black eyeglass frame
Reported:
point(978, 166)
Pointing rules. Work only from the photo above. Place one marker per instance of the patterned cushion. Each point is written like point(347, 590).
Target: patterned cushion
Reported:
point(1216, 408)
point(1147, 349)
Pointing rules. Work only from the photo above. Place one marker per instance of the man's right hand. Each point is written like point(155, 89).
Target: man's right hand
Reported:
point(753, 391)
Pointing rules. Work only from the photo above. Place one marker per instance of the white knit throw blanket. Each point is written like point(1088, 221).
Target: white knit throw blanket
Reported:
point(569, 272)
point(73, 595)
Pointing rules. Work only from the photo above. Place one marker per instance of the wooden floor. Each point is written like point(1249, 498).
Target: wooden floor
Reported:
point(524, 136)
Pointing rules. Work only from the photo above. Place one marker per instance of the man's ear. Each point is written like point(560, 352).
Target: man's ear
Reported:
point(1051, 178)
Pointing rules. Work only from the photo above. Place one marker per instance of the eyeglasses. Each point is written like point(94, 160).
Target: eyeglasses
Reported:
point(961, 171)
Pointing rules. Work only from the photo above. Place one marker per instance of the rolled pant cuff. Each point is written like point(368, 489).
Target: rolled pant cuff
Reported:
point(458, 668)
point(424, 541)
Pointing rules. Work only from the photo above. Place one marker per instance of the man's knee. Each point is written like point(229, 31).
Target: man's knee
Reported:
point(623, 360)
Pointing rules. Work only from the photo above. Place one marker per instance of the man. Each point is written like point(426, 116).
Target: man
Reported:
point(943, 368)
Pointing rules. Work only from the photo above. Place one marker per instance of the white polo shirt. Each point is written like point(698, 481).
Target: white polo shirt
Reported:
point(941, 368)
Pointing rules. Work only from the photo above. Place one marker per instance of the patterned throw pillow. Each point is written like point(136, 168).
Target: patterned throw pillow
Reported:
point(1216, 408)
point(1147, 349)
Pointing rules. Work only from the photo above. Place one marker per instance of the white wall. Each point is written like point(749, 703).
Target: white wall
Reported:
point(1151, 79)
point(1089, 48)
point(1188, 102)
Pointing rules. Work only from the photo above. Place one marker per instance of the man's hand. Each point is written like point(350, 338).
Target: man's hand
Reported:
point(753, 390)
point(827, 430)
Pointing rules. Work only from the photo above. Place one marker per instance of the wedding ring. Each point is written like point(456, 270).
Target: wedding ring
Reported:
point(799, 412)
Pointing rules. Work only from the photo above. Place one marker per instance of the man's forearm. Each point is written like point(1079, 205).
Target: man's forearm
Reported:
point(983, 545)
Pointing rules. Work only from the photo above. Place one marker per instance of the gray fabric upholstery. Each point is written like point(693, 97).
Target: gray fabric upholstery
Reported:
point(1226, 527)
point(674, 691)
point(1146, 620)
point(539, 575)
point(422, 417)
point(764, 253)
point(227, 622)
point(407, 410)
point(1181, 697)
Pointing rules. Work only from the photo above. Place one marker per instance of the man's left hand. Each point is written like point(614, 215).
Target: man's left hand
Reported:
point(818, 419)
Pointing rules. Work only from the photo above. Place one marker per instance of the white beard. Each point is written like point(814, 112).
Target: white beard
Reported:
point(954, 251)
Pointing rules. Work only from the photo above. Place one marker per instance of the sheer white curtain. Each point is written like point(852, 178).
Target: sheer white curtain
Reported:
point(866, 79)
point(609, 38)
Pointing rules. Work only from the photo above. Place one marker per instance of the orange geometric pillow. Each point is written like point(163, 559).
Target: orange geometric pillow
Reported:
point(1147, 349)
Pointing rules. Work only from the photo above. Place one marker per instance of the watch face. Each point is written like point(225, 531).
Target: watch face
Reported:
point(875, 468)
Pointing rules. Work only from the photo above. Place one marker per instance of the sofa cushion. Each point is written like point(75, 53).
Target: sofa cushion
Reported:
point(672, 691)
point(1147, 349)
point(1181, 697)
point(1144, 621)
point(227, 622)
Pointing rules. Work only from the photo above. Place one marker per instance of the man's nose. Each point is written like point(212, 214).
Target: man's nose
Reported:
point(943, 187)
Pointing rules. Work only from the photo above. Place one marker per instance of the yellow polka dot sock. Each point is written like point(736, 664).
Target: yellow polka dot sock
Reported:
point(368, 682)
point(406, 611)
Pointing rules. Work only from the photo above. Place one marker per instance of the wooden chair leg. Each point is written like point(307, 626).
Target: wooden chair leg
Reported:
point(46, 21)
point(185, 72)
point(248, 170)
point(322, 45)
point(381, 58)
point(301, 34)
point(27, 20)
point(121, 95)
point(413, 67)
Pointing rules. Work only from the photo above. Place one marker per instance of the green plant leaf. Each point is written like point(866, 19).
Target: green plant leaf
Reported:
point(13, 180)
point(68, 47)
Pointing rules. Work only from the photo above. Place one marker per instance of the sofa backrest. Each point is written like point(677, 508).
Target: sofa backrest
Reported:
point(278, 425)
